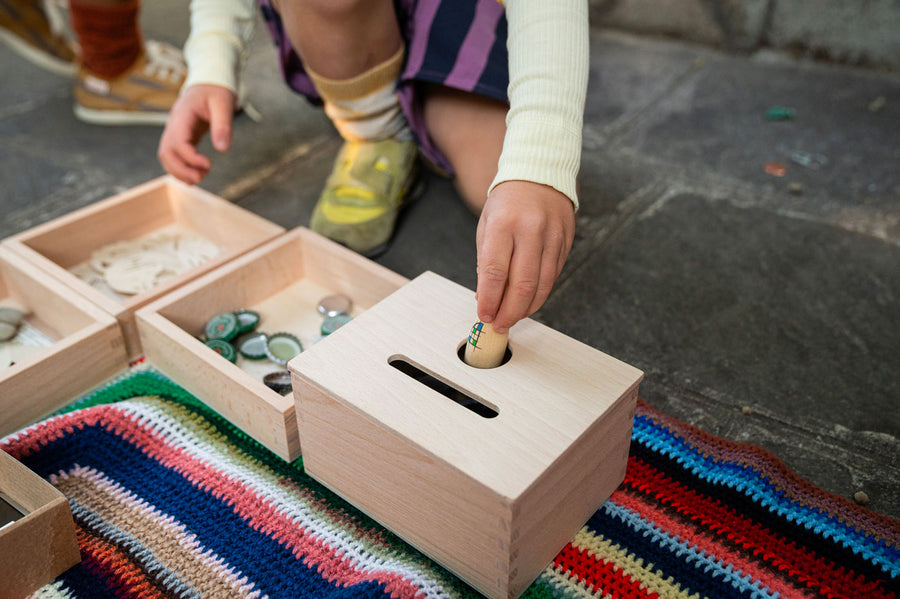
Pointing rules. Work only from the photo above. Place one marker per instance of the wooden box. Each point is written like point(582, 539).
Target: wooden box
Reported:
point(161, 204)
point(86, 345)
point(493, 499)
point(40, 545)
point(283, 281)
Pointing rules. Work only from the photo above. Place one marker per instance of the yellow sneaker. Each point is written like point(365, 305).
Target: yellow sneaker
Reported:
point(142, 95)
point(35, 29)
point(363, 195)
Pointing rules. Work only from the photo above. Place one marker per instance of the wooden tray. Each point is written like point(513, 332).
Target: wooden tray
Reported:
point(282, 280)
point(66, 242)
point(40, 545)
point(87, 345)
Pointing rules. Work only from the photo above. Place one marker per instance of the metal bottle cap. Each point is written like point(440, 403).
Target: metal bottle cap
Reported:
point(248, 320)
point(282, 347)
point(252, 345)
point(279, 381)
point(11, 316)
point(222, 326)
point(223, 348)
point(333, 323)
point(7, 331)
point(333, 305)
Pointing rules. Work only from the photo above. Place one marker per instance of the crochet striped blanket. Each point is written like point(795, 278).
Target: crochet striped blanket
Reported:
point(170, 500)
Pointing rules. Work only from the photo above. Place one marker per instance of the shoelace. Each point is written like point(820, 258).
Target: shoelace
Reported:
point(164, 61)
point(56, 17)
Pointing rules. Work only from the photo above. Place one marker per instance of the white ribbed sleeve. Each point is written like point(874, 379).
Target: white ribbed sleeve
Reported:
point(548, 71)
point(220, 32)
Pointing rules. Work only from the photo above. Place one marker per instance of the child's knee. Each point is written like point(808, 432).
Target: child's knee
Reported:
point(468, 129)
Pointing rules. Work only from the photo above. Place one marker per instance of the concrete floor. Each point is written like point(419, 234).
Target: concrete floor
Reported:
point(690, 262)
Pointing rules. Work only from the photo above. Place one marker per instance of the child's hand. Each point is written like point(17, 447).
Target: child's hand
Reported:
point(523, 239)
point(200, 108)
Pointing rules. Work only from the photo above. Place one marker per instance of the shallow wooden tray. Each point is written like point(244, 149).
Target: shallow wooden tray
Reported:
point(282, 280)
point(63, 243)
point(41, 545)
point(88, 347)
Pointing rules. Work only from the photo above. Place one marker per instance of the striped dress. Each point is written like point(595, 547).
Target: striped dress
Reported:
point(460, 44)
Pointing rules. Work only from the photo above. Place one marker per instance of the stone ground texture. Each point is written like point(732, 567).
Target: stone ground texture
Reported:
point(859, 32)
point(757, 314)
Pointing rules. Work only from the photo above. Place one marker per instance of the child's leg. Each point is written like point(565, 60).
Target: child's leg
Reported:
point(468, 129)
point(122, 80)
point(353, 53)
point(459, 44)
point(340, 39)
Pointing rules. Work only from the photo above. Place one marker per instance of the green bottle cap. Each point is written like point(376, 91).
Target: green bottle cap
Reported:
point(252, 345)
point(248, 320)
point(333, 323)
point(282, 347)
point(779, 113)
point(222, 326)
point(223, 348)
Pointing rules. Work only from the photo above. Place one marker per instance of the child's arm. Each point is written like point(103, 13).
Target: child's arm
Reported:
point(220, 31)
point(528, 222)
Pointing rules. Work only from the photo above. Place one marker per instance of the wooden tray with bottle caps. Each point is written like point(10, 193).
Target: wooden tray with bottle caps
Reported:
point(65, 345)
point(282, 281)
point(79, 249)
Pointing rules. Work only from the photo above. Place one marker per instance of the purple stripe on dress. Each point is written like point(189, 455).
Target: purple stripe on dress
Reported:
point(476, 47)
point(425, 10)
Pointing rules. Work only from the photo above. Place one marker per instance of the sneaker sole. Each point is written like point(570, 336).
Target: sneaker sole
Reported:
point(119, 117)
point(37, 57)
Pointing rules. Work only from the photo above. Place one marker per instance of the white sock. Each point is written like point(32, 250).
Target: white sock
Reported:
point(366, 107)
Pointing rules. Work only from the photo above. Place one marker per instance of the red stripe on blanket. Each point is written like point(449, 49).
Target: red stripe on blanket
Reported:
point(799, 563)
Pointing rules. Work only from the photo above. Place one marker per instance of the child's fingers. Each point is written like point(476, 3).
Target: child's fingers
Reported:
point(221, 111)
point(523, 239)
point(188, 154)
point(177, 152)
point(494, 256)
point(182, 161)
point(524, 280)
point(549, 272)
point(179, 169)
point(170, 163)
